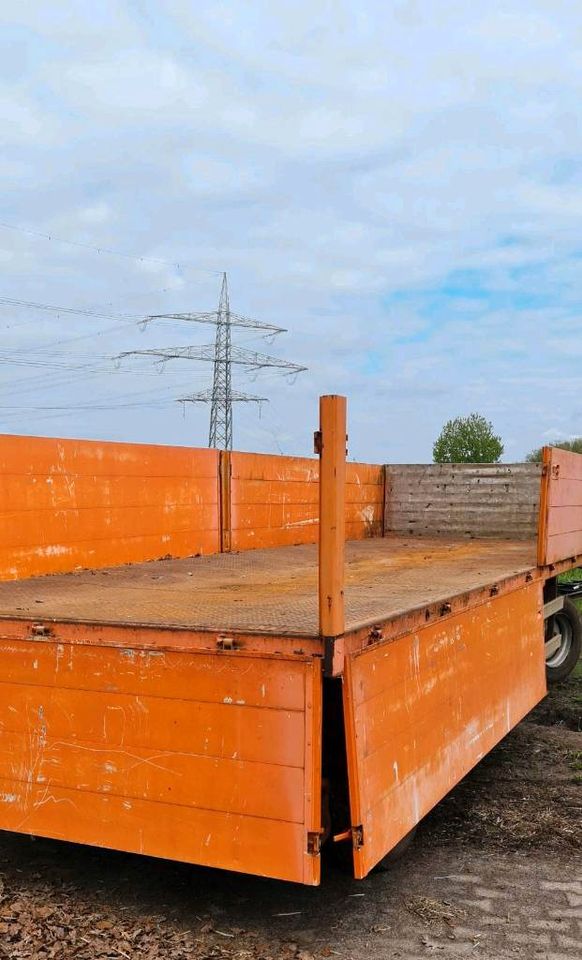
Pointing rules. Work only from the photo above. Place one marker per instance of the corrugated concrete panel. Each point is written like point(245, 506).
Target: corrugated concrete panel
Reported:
point(463, 499)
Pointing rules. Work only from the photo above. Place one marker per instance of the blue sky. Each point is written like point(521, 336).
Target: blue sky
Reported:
point(397, 183)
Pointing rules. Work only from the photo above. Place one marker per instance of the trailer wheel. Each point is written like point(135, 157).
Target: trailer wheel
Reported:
point(563, 642)
point(387, 862)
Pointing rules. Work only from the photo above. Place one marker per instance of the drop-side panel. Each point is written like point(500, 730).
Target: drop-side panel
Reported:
point(211, 759)
point(560, 524)
point(422, 710)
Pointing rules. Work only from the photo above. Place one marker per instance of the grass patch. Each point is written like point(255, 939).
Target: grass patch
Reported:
point(563, 704)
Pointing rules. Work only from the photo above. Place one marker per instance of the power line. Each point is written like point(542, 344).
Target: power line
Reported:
point(90, 406)
point(213, 317)
point(238, 355)
point(81, 311)
point(222, 354)
point(107, 250)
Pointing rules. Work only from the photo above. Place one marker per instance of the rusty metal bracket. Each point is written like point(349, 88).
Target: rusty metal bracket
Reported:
point(376, 634)
point(358, 837)
point(344, 835)
point(228, 643)
point(313, 843)
point(328, 655)
point(40, 630)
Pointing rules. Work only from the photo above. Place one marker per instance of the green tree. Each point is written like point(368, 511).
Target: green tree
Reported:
point(467, 440)
point(575, 446)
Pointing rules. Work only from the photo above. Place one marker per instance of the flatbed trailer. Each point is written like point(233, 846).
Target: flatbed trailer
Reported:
point(249, 697)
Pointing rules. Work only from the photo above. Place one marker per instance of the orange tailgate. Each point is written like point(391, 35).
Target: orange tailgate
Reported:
point(423, 709)
point(212, 759)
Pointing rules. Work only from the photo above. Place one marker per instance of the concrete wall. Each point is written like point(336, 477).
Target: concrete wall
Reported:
point(463, 500)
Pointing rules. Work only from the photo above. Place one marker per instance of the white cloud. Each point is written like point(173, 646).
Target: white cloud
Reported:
point(395, 179)
point(96, 213)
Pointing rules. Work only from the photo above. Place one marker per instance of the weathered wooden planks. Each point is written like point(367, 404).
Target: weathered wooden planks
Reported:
point(472, 500)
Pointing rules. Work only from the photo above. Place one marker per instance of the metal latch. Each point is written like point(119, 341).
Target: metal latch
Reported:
point(355, 834)
point(358, 837)
point(313, 843)
point(317, 442)
point(40, 630)
point(228, 643)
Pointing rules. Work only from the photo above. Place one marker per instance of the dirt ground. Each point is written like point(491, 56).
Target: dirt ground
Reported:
point(495, 872)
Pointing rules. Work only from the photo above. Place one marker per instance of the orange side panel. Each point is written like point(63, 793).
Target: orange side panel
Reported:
point(66, 504)
point(208, 759)
point(275, 500)
point(422, 710)
point(560, 527)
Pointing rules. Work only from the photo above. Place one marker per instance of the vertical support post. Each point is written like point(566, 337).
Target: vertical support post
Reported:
point(331, 446)
point(544, 506)
point(224, 500)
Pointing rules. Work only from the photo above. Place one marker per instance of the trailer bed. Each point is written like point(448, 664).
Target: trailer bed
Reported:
point(272, 591)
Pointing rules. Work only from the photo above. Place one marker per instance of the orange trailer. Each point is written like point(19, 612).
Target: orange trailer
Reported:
point(230, 659)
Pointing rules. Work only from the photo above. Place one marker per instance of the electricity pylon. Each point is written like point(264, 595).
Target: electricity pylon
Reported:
point(223, 354)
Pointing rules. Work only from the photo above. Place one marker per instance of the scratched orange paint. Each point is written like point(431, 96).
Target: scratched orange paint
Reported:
point(69, 504)
point(560, 528)
point(169, 754)
point(212, 756)
point(66, 504)
point(423, 709)
point(275, 500)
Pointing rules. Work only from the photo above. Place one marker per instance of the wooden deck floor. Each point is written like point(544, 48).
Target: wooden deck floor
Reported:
point(268, 591)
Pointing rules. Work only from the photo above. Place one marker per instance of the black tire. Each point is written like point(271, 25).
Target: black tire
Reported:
point(568, 623)
point(397, 852)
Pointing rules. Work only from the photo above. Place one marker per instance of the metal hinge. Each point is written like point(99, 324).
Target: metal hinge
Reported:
point(317, 442)
point(358, 837)
point(314, 843)
point(228, 643)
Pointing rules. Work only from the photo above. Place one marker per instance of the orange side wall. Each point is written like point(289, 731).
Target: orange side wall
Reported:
point(66, 504)
point(560, 527)
point(275, 500)
point(69, 504)
point(211, 759)
point(423, 709)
